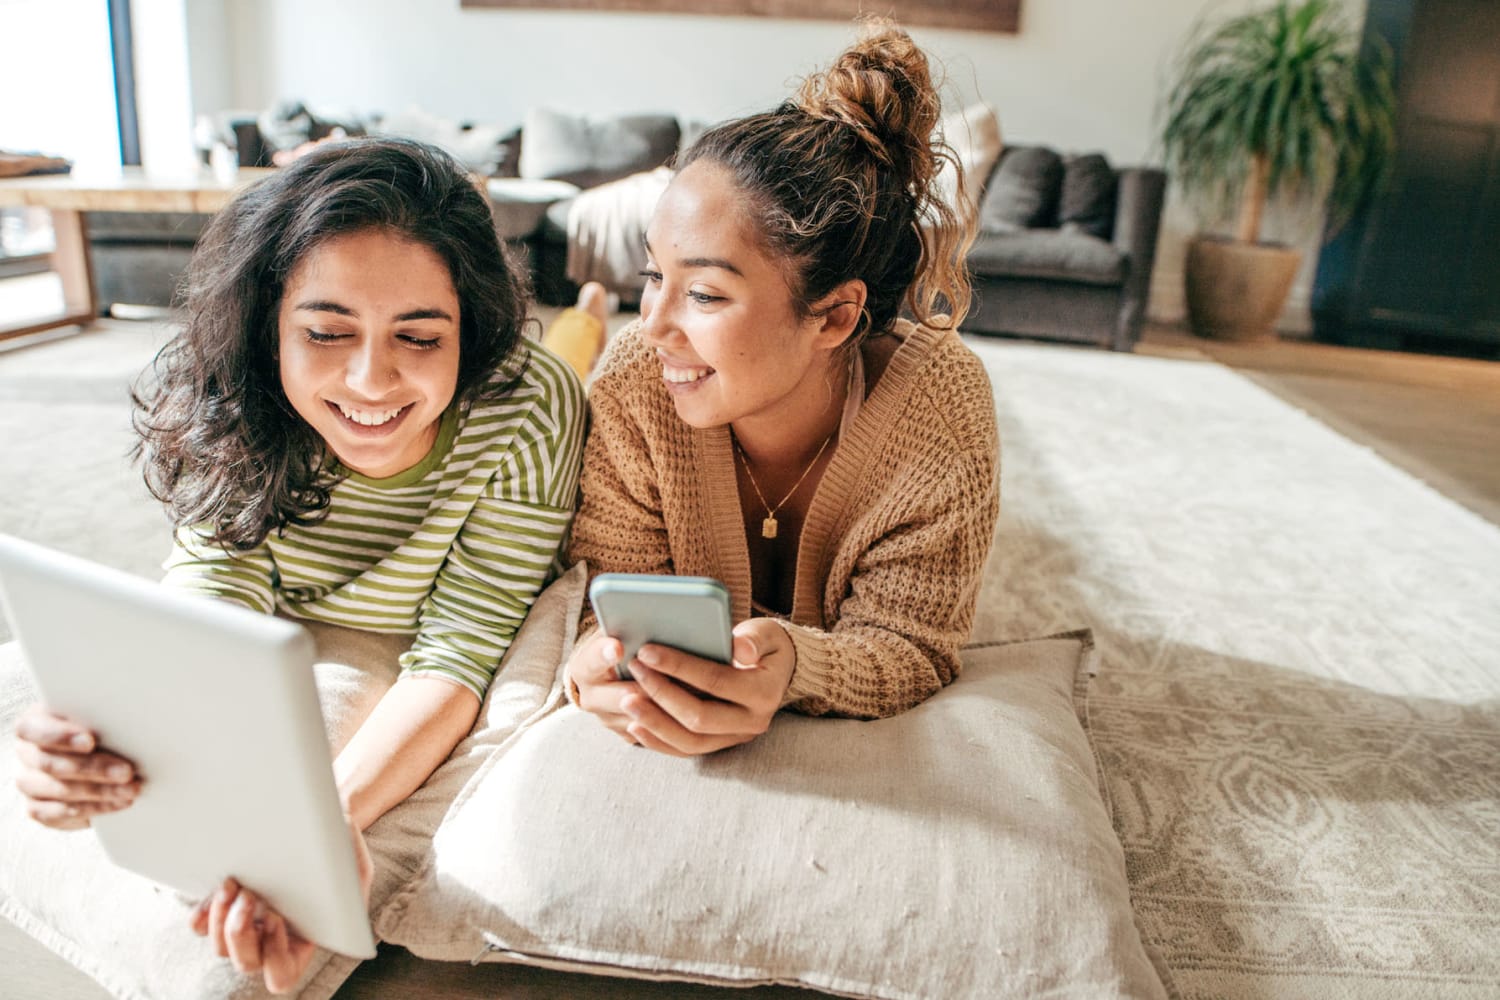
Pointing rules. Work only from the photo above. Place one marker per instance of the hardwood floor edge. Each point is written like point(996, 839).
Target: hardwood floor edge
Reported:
point(1414, 465)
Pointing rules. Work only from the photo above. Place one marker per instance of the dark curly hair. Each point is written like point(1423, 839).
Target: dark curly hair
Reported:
point(220, 443)
point(842, 182)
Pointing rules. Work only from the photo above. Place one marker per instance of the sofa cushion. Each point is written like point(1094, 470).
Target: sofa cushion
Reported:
point(1087, 202)
point(479, 147)
point(974, 135)
point(692, 131)
point(959, 849)
point(1023, 190)
point(1047, 253)
point(508, 154)
point(589, 152)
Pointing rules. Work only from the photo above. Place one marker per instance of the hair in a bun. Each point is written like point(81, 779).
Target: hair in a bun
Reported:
point(881, 88)
point(842, 181)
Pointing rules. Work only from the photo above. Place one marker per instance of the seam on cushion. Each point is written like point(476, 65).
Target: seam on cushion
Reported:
point(638, 966)
point(1082, 685)
point(1154, 956)
point(329, 978)
point(63, 947)
point(556, 698)
point(73, 953)
point(1082, 682)
point(1084, 635)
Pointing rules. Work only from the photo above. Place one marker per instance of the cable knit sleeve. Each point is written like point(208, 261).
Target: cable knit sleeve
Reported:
point(910, 603)
point(619, 525)
point(903, 579)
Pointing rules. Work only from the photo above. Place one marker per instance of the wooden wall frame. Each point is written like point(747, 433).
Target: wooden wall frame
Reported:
point(981, 15)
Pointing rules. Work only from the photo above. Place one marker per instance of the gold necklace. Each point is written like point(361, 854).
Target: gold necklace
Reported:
point(768, 526)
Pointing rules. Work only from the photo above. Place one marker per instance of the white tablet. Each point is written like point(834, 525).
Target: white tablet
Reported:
point(216, 706)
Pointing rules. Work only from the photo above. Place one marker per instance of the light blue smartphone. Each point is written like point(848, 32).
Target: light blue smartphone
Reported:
point(690, 613)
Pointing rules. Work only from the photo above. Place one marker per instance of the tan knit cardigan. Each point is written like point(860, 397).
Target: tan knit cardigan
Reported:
point(894, 543)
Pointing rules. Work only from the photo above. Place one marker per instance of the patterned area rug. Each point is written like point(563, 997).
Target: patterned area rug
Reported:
point(1298, 705)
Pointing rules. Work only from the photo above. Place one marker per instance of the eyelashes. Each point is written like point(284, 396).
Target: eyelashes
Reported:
point(702, 298)
point(412, 340)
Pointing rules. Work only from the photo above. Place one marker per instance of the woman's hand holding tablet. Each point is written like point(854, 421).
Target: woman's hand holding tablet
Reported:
point(257, 939)
point(66, 777)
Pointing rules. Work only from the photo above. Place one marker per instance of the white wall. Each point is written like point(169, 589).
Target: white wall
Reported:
point(163, 86)
point(1080, 75)
point(43, 109)
point(210, 52)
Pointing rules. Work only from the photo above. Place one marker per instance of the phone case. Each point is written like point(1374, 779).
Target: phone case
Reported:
point(690, 613)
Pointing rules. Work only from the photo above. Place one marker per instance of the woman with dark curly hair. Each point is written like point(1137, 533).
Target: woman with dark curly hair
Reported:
point(772, 422)
point(350, 429)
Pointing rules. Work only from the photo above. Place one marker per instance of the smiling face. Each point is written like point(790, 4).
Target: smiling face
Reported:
point(720, 316)
point(369, 344)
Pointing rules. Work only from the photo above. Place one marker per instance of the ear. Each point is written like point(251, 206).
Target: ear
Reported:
point(838, 313)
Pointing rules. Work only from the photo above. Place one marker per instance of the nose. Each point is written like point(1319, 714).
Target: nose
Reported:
point(649, 296)
point(372, 368)
point(658, 322)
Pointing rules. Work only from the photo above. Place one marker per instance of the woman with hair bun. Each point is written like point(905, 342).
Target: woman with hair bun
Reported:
point(773, 422)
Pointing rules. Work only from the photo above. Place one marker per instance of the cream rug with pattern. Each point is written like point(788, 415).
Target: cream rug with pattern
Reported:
point(1298, 710)
point(1298, 705)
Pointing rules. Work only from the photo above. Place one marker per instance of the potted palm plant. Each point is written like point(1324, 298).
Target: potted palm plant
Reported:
point(1272, 102)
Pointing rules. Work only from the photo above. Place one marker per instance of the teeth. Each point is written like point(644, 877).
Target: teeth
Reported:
point(684, 374)
point(368, 419)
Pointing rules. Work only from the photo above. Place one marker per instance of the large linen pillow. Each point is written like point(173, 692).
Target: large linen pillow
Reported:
point(131, 935)
point(961, 849)
point(589, 152)
point(974, 134)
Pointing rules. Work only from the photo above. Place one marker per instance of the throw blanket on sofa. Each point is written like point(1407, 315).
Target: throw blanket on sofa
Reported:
point(607, 231)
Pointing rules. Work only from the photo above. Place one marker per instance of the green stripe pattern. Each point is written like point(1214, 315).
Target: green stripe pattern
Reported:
point(455, 556)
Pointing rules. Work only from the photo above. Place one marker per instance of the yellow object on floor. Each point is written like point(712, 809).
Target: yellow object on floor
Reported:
point(578, 338)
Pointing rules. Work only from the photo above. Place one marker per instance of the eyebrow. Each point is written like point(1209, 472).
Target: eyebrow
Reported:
point(718, 262)
point(326, 305)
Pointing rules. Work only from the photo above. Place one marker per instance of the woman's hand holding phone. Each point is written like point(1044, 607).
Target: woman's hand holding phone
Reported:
point(65, 776)
point(682, 704)
point(591, 669)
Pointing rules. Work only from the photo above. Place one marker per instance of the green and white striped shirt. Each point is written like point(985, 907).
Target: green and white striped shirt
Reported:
point(454, 550)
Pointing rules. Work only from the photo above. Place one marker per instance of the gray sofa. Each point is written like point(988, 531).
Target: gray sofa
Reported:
point(559, 158)
point(1065, 248)
point(534, 175)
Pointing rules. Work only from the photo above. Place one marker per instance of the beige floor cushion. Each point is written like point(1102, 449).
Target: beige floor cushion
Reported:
point(961, 849)
point(132, 937)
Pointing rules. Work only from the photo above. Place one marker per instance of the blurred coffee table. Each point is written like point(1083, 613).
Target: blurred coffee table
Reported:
point(68, 196)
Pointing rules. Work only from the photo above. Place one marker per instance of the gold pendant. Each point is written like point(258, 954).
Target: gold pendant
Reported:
point(768, 528)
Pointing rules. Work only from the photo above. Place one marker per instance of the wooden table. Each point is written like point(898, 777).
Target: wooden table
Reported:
point(68, 196)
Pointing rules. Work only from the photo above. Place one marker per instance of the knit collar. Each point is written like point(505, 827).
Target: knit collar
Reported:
point(828, 515)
